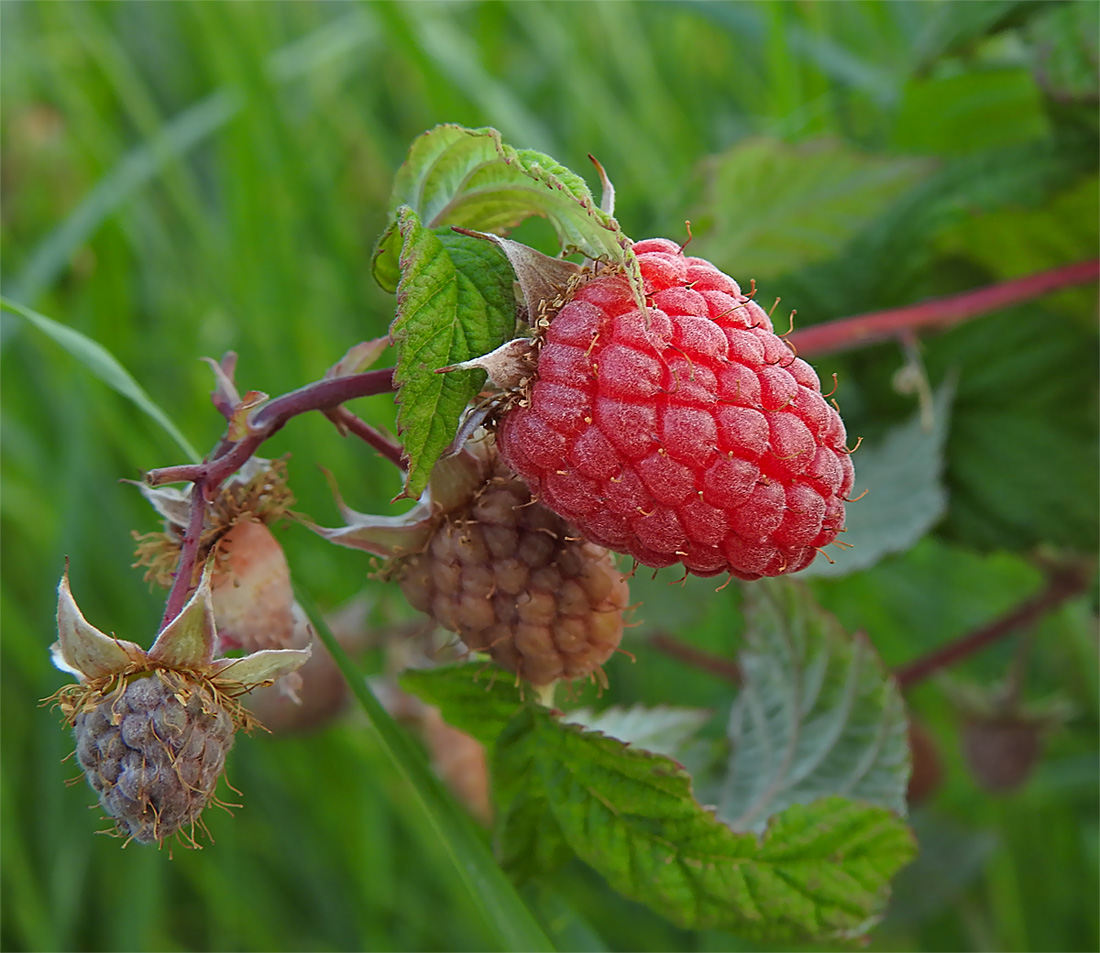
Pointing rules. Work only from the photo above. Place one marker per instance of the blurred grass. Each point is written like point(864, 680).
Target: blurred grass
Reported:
point(183, 179)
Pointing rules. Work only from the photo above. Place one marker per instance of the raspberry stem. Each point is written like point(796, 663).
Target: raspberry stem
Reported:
point(1061, 586)
point(229, 456)
point(939, 313)
point(345, 419)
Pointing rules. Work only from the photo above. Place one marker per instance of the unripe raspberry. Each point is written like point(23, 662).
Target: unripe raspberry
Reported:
point(511, 578)
point(1002, 750)
point(153, 750)
point(690, 432)
point(926, 774)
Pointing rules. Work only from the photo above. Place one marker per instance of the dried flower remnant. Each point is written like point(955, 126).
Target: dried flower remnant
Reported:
point(254, 605)
point(152, 728)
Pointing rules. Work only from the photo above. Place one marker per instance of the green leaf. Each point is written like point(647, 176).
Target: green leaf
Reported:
point(968, 112)
point(488, 889)
point(905, 493)
point(1009, 242)
point(528, 838)
point(471, 178)
point(484, 706)
point(1022, 455)
point(818, 714)
point(774, 207)
point(820, 871)
point(479, 704)
point(104, 365)
point(1024, 479)
point(454, 302)
point(664, 729)
point(887, 261)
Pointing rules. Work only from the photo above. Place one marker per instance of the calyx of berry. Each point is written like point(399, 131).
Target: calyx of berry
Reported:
point(186, 644)
point(454, 480)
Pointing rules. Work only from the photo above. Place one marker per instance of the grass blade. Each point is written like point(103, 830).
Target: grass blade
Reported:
point(504, 911)
point(104, 365)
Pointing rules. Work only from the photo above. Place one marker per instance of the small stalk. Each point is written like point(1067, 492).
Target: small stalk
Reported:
point(846, 334)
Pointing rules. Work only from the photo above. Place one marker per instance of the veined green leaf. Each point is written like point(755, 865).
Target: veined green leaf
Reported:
point(529, 840)
point(454, 302)
point(775, 207)
point(818, 714)
point(481, 706)
point(664, 729)
point(104, 365)
point(471, 178)
point(903, 475)
point(820, 871)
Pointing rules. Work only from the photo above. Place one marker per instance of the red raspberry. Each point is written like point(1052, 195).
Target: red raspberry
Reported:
point(691, 433)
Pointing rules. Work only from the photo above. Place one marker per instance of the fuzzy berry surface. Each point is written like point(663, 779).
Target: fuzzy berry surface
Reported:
point(690, 433)
point(512, 579)
point(153, 753)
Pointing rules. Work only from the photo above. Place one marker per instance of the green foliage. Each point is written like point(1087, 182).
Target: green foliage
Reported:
point(820, 870)
point(818, 715)
point(903, 474)
point(454, 302)
point(772, 206)
point(471, 177)
point(186, 179)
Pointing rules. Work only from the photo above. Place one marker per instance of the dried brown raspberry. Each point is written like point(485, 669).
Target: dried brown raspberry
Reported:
point(153, 727)
point(1002, 751)
point(512, 579)
point(153, 749)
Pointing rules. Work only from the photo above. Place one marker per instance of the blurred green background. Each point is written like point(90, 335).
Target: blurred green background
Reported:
point(181, 179)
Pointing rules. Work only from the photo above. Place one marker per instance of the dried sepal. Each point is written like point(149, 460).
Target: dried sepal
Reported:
point(454, 480)
point(81, 649)
point(187, 642)
point(260, 668)
point(358, 358)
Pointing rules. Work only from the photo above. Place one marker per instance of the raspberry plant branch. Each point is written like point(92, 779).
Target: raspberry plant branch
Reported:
point(939, 313)
point(345, 420)
point(189, 552)
point(321, 395)
point(1061, 586)
point(689, 655)
point(229, 456)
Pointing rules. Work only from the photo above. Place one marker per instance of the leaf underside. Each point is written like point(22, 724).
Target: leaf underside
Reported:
point(818, 714)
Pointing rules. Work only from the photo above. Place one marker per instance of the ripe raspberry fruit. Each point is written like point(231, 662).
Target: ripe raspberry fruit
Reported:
point(511, 578)
point(690, 433)
point(153, 751)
